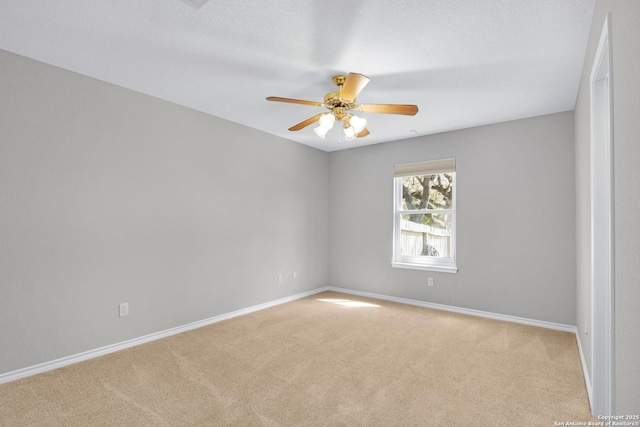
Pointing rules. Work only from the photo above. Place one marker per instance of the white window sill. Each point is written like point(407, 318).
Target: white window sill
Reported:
point(427, 267)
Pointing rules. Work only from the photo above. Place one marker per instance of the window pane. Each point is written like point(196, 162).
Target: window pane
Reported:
point(427, 192)
point(426, 235)
point(441, 194)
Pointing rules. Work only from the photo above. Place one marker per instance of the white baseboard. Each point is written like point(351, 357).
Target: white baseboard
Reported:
point(506, 318)
point(101, 351)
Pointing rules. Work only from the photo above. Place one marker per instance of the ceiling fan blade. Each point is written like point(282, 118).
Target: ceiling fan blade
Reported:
point(408, 110)
point(306, 123)
point(294, 101)
point(364, 132)
point(353, 85)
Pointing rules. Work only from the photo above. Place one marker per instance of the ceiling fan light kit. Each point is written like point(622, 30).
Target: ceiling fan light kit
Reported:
point(353, 125)
point(340, 102)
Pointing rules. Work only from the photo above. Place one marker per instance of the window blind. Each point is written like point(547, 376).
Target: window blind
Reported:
point(424, 168)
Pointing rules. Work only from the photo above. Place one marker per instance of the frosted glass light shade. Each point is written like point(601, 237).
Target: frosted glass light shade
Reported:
point(357, 123)
point(321, 131)
point(326, 120)
point(349, 133)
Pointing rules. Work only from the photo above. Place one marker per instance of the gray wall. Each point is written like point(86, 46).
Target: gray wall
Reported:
point(515, 219)
point(110, 196)
point(625, 25)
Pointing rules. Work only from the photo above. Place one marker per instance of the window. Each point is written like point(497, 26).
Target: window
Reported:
point(424, 216)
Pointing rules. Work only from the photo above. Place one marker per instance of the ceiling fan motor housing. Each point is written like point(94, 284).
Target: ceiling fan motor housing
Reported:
point(332, 100)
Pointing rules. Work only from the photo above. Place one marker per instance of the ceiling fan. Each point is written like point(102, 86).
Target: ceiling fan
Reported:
point(340, 105)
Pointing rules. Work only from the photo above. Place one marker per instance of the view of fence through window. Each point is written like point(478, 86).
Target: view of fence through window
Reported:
point(428, 231)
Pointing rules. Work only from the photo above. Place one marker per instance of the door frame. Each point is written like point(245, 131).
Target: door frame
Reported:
point(602, 226)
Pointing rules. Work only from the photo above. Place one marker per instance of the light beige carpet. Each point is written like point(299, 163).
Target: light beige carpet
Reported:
point(326, 360)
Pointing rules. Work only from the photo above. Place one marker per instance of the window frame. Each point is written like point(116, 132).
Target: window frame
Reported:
point(439, 264)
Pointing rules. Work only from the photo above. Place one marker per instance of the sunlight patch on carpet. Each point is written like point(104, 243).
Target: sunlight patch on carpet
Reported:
point(348, 303)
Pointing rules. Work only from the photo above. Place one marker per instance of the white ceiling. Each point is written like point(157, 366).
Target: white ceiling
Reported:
point(463, 62)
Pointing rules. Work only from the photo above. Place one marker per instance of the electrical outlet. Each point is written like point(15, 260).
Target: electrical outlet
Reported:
point(280, 278)
point(124, 309)
point(430, 281)
point(586, 327)
point(295, 275)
